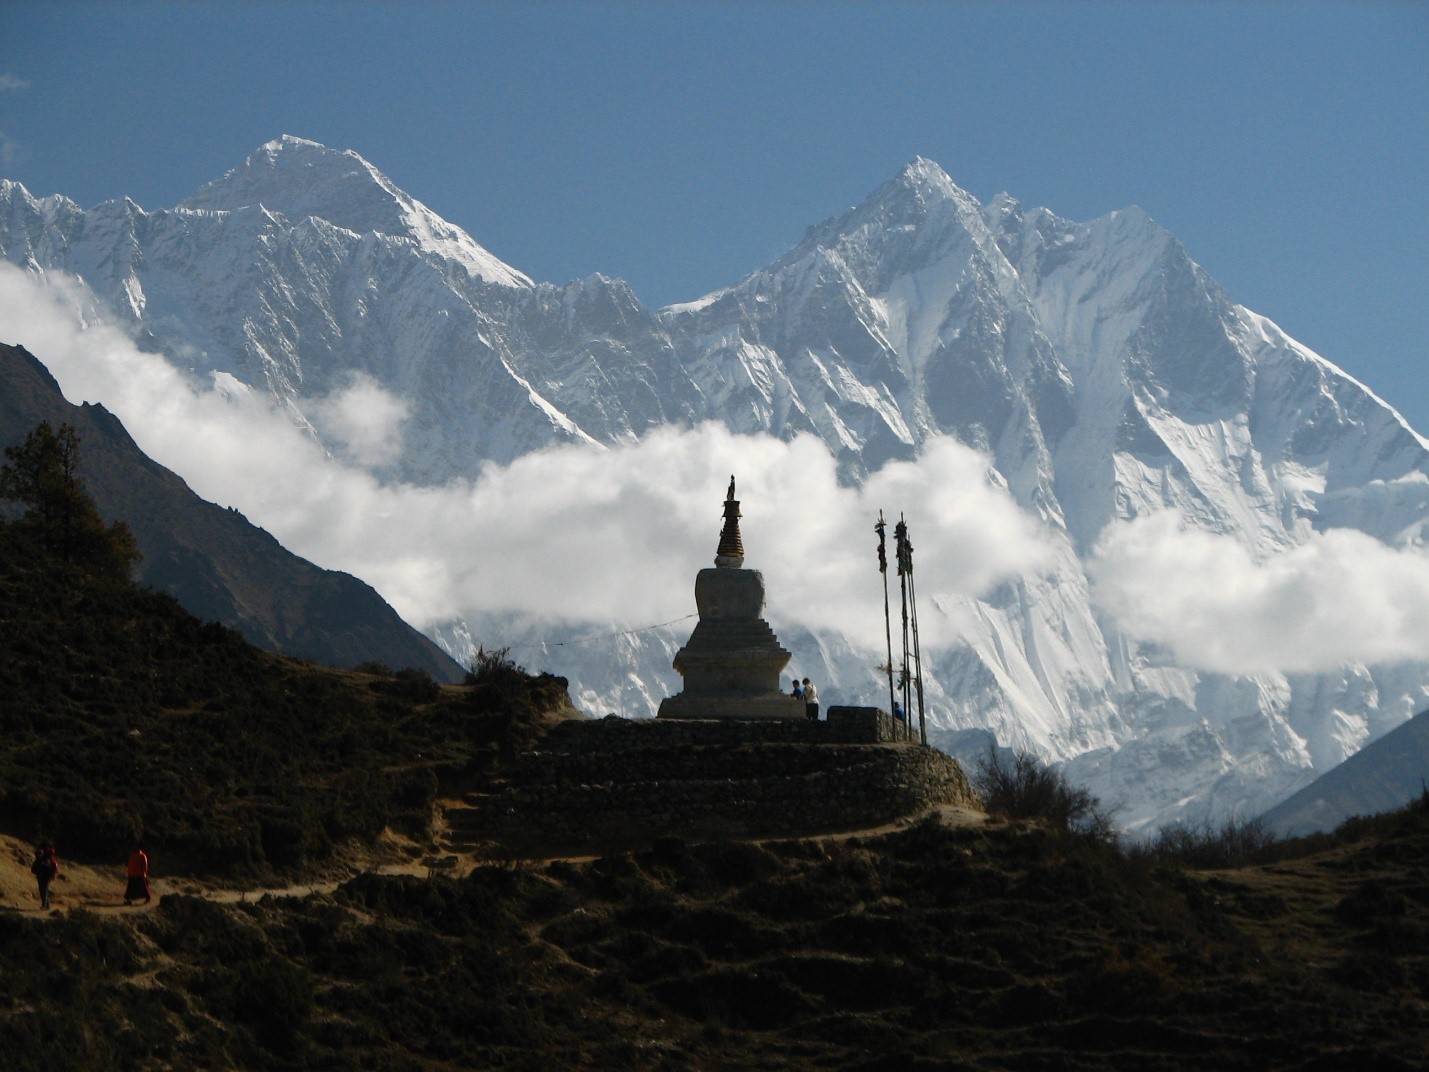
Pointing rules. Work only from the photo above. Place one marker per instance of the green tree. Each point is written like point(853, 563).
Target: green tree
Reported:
point(43, 474)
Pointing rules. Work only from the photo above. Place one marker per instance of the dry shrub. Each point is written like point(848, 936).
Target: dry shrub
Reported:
point(1234, 843)
point(1022, 788)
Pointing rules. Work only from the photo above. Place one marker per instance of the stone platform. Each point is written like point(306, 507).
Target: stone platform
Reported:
point(616, 784)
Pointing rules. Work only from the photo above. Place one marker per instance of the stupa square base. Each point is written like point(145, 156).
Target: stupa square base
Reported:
point(756, 708)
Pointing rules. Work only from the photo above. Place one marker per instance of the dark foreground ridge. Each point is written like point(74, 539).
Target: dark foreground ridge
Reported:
point(996, 947)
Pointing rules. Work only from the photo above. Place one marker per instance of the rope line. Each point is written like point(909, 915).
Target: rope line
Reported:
point(600, 636)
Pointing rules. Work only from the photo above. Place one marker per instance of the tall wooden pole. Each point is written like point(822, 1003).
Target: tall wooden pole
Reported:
point(887, 625)
point(905, 566)
point(917, 647)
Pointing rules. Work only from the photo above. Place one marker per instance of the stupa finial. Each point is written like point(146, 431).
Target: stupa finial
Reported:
point(730, 554)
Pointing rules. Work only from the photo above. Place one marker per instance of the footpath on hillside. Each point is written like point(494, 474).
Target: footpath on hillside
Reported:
point(100, 888)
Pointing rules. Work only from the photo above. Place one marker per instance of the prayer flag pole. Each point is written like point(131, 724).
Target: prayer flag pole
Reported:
point(917, 647)
point(887, 625)
point(905, 568)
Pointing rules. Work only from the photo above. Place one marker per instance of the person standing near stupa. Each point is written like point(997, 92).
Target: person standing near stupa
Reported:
point(811, 700)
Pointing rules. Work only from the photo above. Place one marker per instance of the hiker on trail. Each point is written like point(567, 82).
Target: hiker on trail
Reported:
point(138, 877)
point(45, 869)
point(798, 692)
point(811, 700)
point(898, 710)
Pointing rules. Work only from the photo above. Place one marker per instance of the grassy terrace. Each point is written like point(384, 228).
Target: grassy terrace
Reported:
point(122, 716)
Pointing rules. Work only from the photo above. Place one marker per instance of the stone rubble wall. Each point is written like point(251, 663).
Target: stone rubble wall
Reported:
point(687, 763)
point(602, 786)
point(841, 725)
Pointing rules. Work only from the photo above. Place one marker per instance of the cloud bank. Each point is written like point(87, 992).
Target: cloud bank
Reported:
point(1340, 597)
point(582, 535)
point(572, 534)
point(363, 420)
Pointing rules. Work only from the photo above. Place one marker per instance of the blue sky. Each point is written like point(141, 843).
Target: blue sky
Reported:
point(683, 145)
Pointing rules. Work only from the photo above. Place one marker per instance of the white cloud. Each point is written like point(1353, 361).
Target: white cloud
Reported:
point(363, 419)
point(583, 535)
point(1340, 597)
point(11, 83)
point(572, 533)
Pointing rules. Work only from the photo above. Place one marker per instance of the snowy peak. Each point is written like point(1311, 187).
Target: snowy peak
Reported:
point(921, 196)
point(1038, 242)
point(299, 178)
point(927, 180)
point(913, 219)
point(18, 204)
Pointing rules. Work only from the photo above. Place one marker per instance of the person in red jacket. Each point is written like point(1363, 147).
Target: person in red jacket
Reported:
point(46, 869)
point(138, 877)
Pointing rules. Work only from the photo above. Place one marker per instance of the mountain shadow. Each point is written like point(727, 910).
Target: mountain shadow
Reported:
point(1384, 775)
point(216, 563)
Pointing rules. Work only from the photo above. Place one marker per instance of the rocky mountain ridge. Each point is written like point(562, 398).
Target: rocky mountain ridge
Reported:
point(1104, 373)
point(1384, 776)
point(213, 561)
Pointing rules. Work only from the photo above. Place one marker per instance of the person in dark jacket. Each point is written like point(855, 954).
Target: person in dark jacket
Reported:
point(138, 877)
point(45, 869)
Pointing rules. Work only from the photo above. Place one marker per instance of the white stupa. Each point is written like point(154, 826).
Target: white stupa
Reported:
point(732, 661)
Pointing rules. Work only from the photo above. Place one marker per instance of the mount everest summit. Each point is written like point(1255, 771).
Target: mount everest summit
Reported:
point(1102, 372)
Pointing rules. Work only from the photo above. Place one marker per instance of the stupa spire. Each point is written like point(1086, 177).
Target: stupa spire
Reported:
point(730, 554)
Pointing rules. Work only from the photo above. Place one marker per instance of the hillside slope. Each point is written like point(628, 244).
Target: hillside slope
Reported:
point(213, 561)
point(1381, 777)
point(124, 717)
point(933, 949)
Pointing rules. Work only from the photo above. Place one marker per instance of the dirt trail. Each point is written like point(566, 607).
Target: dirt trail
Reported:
point(100, 888)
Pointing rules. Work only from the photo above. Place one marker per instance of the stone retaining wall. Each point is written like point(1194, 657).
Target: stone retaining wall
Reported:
point(610, 784)
point(687, 763)
point(843, 725)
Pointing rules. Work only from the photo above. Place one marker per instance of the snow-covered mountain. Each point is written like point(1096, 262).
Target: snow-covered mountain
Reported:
point(1098, 366)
